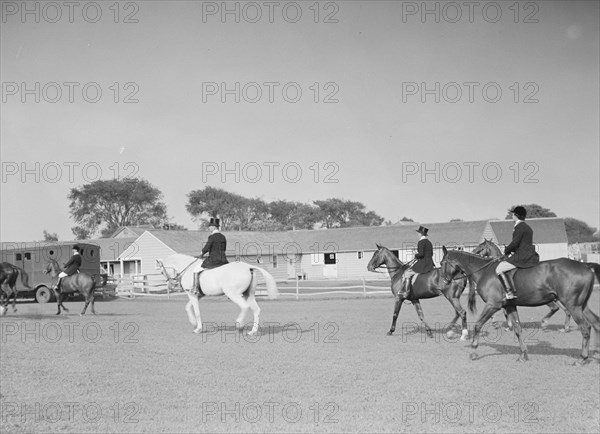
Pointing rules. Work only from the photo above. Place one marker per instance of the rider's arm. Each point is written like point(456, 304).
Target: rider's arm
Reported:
point(517, 237)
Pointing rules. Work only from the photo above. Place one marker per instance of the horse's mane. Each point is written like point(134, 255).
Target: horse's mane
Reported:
point(397, 260)
point(471, 255)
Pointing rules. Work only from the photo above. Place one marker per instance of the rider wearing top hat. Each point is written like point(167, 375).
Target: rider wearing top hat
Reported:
point(424, 263)
point(522, 249)
point(70, 267)
point(215, 247)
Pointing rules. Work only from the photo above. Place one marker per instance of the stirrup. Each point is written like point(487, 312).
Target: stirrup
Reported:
point(510, 295)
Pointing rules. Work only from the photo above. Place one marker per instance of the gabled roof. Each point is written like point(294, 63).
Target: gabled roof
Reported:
point(545, 230)
point(393, 236)
point(131, 231)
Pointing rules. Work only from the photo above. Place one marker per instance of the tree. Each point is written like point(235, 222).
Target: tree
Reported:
point(107, 205)
point(216, 203)
point(293, 215)
point(344, 213)
point(533, 211)
point(50, 237)
point(579, 231)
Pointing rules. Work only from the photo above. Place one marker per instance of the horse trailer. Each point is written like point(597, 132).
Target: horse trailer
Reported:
point(33, 257)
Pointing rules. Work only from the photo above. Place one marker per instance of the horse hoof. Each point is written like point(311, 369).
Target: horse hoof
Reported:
point(581, 362)
point(523, 359)
point(464, 336)
point(390, 333)
point(429, 334)
point(197, 331)
point(474, 356)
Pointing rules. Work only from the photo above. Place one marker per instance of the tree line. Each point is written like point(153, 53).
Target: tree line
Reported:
point(101, 207)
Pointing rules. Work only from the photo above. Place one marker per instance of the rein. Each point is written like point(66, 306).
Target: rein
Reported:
point(177, 277)
point(408, 265)
point(469, 275)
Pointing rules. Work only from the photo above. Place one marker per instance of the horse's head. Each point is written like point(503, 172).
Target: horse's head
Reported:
point(487, 249)
point(449, 266)
point(52, 267)
point(378, 258)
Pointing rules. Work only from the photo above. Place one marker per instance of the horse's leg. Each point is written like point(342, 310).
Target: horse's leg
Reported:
point(460, 312)
point(88, 299)
point(14, 295)
point(585, 328)
point(566, 328)
point(195, 304)
point(256, 311)
point(397, 307)
point(488, 312)
point(93, 297)
point(594, 321)
point(243, 305)
point(422, 317)
point(553, 309)
point(514, 315)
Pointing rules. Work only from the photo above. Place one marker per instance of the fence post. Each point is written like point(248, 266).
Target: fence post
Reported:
point(297, 288)
point(364, 288)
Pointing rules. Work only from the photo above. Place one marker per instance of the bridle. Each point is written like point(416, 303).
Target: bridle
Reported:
point(177, 277)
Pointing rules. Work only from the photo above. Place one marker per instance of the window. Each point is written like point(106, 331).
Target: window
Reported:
point(28, 256)
point(330, 258)
point(19, 257)
point(92, 253)
point(395, 253)
point(360, 255)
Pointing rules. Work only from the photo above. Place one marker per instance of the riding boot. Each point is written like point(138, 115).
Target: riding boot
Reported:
point(196, 285)
point(510, 294)
point(57, 286)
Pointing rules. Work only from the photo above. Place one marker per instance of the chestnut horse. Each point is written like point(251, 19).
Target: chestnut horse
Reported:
point(427, 285)
point(568, 281)
point(488, 249)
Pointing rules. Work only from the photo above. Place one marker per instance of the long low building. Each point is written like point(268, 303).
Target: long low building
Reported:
point(341, 253)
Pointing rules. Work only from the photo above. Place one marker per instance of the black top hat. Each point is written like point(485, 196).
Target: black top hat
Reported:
point(520, 212)
point(76, 247)
point(214, 222)
point(422, 231)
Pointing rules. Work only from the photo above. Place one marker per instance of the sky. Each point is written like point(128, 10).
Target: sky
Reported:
point(429, 110)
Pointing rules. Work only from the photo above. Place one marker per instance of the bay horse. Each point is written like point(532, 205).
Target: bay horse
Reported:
point(8, 280)
point(236, 280)
point(488, 249)
point(561, 279)
point(81, 282)
point(426, 285)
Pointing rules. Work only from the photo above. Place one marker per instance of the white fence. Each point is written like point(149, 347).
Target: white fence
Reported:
point(155, 285)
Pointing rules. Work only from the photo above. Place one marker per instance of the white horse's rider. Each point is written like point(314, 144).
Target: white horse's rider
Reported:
point(70, 267)
point(215, 246)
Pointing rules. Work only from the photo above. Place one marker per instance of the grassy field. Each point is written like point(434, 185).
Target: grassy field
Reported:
point(318, 365)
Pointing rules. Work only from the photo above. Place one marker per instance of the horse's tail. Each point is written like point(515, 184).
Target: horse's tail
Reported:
point(270, 281)
point(24, 278)
point(472, 296)
point(103, 280)
point(595, 268)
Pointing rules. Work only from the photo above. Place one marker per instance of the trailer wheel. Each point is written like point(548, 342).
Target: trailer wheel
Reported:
point(43, 294)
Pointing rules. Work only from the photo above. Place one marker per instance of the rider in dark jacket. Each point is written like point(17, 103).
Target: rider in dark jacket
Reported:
point(424, 263)
point(70, 267)
point(522, 249)
point(215, 246)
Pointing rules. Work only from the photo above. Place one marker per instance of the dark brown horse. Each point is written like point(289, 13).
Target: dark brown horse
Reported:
point(561, 279)
point(427, 285)
point(81, 282)
point(8, 280)
point(488, 249)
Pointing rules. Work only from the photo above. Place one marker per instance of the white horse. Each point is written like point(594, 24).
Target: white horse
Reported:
point(236, 280)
